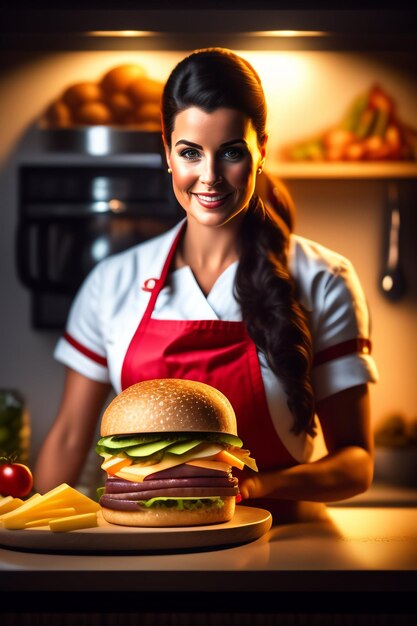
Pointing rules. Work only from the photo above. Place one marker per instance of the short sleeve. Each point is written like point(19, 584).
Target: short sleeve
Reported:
point(341, 336)
point(82, 345)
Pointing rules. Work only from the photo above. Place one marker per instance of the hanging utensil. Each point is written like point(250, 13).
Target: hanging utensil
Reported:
point(392, 280)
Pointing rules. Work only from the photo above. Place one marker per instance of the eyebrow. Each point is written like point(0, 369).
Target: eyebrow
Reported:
point(223, 145)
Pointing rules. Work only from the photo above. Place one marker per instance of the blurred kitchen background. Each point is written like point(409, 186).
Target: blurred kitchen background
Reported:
point(320, 70)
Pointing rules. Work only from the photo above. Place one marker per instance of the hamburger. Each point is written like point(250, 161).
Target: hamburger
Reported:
point(169, 446)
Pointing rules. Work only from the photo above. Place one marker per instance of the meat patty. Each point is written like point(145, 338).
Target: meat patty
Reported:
point(186, 471)
point(124, 501)
point(125, 486)
point(180, 492)
point(182, 481)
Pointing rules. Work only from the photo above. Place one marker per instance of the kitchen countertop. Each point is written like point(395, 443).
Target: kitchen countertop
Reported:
point(328, 551)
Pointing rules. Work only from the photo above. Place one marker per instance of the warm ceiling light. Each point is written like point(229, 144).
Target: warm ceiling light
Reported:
point(289, 33)
point(121, 33)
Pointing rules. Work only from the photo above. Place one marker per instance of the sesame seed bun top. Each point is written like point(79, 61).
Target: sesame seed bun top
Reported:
point(169, 405)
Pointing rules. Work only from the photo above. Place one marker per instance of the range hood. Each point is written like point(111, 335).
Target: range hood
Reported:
point(179, 25)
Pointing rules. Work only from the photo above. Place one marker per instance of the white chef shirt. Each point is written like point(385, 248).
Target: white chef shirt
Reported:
point(111, 302)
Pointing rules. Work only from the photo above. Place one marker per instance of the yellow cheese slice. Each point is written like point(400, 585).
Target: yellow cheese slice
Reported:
point(9, 503)
point(30, 504)
point(136, 472)
point(74, 522)
point(61, 496)
point(243, 455)
point(36, 523)
point(35, 496)
point(81, 505)
point(56, 513)
point(4, 500)
point(207, 464)
point(115, 463)
point(17, 523)
point(62, 512)
point(72, 497)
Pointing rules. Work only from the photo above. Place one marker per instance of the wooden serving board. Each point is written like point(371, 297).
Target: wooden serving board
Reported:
point(247, 525)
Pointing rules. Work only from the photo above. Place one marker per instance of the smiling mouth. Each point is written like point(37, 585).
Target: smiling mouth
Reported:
point(211, 198)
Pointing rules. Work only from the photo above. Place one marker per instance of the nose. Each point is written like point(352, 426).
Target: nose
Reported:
point(210, 174)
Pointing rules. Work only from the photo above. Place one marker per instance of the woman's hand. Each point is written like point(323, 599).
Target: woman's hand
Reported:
point(345, 471)
point(257, 484)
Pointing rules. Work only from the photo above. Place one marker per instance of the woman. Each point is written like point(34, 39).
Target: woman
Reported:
point(231, 298)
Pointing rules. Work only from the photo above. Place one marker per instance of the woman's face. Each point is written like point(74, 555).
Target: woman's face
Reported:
point(214, 158)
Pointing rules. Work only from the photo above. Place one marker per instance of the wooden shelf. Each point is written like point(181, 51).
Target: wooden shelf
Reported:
point(307, 171)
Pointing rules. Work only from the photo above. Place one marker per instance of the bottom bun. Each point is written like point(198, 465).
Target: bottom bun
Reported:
point(168, 517)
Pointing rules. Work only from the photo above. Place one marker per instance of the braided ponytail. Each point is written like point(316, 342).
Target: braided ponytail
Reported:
point(274, 319)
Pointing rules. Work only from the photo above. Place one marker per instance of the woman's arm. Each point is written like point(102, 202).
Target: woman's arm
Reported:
point(67, 444)
point(346, 470)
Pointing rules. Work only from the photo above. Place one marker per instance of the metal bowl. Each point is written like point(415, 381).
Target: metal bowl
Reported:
point(101, 140)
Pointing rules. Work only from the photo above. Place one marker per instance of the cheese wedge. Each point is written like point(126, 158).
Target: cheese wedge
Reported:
point(74, 522)
point(35, 523)
point(81, 506)
point(54, 514)
point(17, 523)
point(37, 506)
point(15, 504)
point(35, 496)
point(9, 503)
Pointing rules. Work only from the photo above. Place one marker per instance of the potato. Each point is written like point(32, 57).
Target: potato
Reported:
point(355, 151)
point(150, 112)
point(149, 127)
point(145, 90)
point(58, 114)
point(81, 93)
point(121, 77)
point(338, 139)
point(378, 150)
point(93, 113)
point(120, 105)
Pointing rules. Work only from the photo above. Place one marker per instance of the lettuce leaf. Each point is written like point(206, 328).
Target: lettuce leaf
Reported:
point(182, 504)
point(125, 441)
point(120, 443)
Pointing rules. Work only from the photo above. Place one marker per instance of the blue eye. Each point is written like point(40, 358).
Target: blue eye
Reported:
point(190, 154)
point(233, 154)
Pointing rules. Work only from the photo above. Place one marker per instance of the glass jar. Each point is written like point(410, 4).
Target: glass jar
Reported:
point(15, 431)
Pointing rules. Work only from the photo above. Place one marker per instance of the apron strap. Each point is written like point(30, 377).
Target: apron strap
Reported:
point(160, 282)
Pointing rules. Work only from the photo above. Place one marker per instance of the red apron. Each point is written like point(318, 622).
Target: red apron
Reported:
point(219, 353)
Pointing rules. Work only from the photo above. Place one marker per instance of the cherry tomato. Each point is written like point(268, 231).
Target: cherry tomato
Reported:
point(15, 479)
